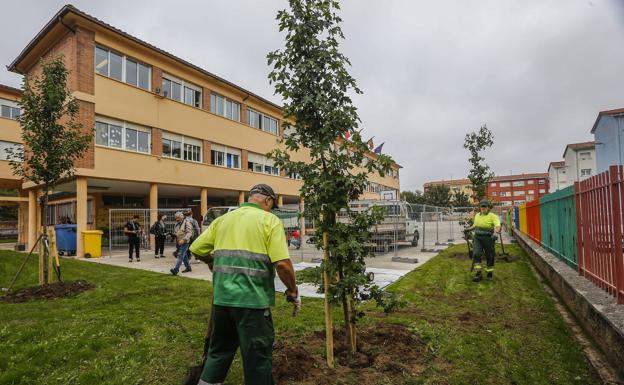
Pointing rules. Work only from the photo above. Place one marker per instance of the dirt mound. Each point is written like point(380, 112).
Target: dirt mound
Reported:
point(390, 349)
point(51, 291)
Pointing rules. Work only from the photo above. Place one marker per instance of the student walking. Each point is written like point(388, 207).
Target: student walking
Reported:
point(160, 234)
point(183, 231)
point(133, 231)
point(244, 248)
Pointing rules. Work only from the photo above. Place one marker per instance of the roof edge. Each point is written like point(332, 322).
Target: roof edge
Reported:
point(615, 111)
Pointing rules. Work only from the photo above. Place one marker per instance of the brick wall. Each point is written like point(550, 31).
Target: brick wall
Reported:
point(207, 155)
point(156, 141)
point(86, 117)
point(206, 99)
point(244, 160)
point(85, 61)
point(243, 113)
point(157, 79)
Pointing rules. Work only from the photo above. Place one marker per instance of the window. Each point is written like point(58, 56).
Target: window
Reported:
point(122, 68)
point(223, 106)
point(518, 183)
point(541, 181)
point(182, 91)
point(181, 147)
point(585, 171)
point(225, 156)
point(9, 109)
point(262, 122)
point(504, 184)
point(261, 164)
point(542, 191)
point(585, 155)
point(117, 134)
point(530, 182)
point(292, 175)
point(531, 192)
point(505, 193)
point(515, 193)
point(493, 184)
point(519, 202)
point(493, 193)
point(4, 146)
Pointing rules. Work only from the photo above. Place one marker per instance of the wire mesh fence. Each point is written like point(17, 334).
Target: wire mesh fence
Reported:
point(118, 218)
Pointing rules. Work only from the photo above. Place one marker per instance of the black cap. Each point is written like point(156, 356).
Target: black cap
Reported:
point(484, 203)
point(264, 189)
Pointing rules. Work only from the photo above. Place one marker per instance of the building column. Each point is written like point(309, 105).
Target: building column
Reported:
point(302, 213)
point(280, 200)
point(81, 214)
point(32, 218)
point(241, 197)
point(203, 202)
point(153, 205)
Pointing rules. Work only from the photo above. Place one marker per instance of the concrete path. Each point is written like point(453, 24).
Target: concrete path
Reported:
point(386, 271)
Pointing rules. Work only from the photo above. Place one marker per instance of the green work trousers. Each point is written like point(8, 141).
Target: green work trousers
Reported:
point(249, 329)
point(484, 244)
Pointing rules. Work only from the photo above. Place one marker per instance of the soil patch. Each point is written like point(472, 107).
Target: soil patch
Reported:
point(387, 351)
point(51, 291)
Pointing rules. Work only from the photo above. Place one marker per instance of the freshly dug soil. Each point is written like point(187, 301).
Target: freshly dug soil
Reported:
point(51, 291)
point(387, 351)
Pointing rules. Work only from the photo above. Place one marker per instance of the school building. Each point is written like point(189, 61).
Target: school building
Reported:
point(166, 133)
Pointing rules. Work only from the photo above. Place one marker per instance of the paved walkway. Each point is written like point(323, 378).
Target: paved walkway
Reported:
point(386, 271)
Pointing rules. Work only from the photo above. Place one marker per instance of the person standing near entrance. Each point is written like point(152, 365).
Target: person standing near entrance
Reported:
point(485, 225)
point(188, 216)
point(160, 233)
point(244, 248)
point(183, 231)
point(132, 230)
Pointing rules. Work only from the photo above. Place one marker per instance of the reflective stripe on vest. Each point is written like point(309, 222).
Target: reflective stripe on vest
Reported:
point(241, 270)
point(242, 254)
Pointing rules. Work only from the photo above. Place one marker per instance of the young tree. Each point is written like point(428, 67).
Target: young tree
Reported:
point(480, 173)
point(53, 139)
point(310, 74)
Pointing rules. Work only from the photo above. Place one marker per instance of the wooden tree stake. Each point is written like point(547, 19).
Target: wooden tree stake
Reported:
point(329, 328)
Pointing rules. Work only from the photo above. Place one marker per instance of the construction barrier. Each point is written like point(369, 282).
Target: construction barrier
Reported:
point(583, 226)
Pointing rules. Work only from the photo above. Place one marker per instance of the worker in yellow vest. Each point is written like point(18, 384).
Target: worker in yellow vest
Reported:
point(246, 247)
point(486, 226)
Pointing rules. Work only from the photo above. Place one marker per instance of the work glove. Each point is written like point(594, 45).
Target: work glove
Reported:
point(296, 301)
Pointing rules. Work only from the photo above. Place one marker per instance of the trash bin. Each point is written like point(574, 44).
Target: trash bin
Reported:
point(65, 239)
point(92, 243)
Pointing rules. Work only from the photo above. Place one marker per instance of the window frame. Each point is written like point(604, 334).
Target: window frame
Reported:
point(183, 86)
point(217, 100)
point(263, 164)
point(12, 106)
point(125, 126)
point(183, 141)
point(261, 121)
point(225, 151)
point(124, 59)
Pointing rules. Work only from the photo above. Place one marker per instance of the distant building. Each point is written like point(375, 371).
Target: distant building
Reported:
point(580, 161)
point(609, 139)
point(557, 176)
point(507, 189)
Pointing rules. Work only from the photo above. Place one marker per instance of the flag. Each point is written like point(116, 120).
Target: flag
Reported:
point(378, 149)
point(347, 135)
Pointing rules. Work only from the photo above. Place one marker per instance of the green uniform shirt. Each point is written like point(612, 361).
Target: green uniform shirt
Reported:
point(488, 221)
point(245, 243)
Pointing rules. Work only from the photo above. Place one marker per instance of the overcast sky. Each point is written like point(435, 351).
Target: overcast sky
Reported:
point(537, 72)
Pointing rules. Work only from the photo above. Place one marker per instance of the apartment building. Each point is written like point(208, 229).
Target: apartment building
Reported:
point(509, 190)
point(166, 133)
point(608, 131)
point(580, 161)
point(557, 176)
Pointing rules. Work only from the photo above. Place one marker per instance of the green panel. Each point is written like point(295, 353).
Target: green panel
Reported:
point(558, 219)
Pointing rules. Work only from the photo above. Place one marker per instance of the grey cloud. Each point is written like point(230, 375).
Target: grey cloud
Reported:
point(536, 71)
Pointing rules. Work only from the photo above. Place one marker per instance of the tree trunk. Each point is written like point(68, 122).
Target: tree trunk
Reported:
point(329, 327)
point(349, 316)
point(44, 226)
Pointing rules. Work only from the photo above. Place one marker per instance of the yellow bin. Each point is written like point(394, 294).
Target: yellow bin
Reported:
point(92, 243)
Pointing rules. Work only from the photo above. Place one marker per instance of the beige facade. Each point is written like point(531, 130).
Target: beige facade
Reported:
point(166, 133)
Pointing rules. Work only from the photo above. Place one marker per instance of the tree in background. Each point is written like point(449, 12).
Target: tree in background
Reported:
point(480, 173)
point(461, 199)
point(53, 139)
point(415, 197)
point(310, 74)
point(438, 195)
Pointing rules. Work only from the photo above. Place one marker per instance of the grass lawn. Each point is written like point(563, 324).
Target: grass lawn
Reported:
point(146, 328)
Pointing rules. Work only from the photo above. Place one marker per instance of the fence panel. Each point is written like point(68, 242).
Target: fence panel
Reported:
point(534, 230)
point(558, 225)
point(599, 231)
point(523, 218)
point(516, 216)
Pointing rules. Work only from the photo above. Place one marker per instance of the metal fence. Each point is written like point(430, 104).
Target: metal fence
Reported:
point(558, 225)
point(117, 219)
